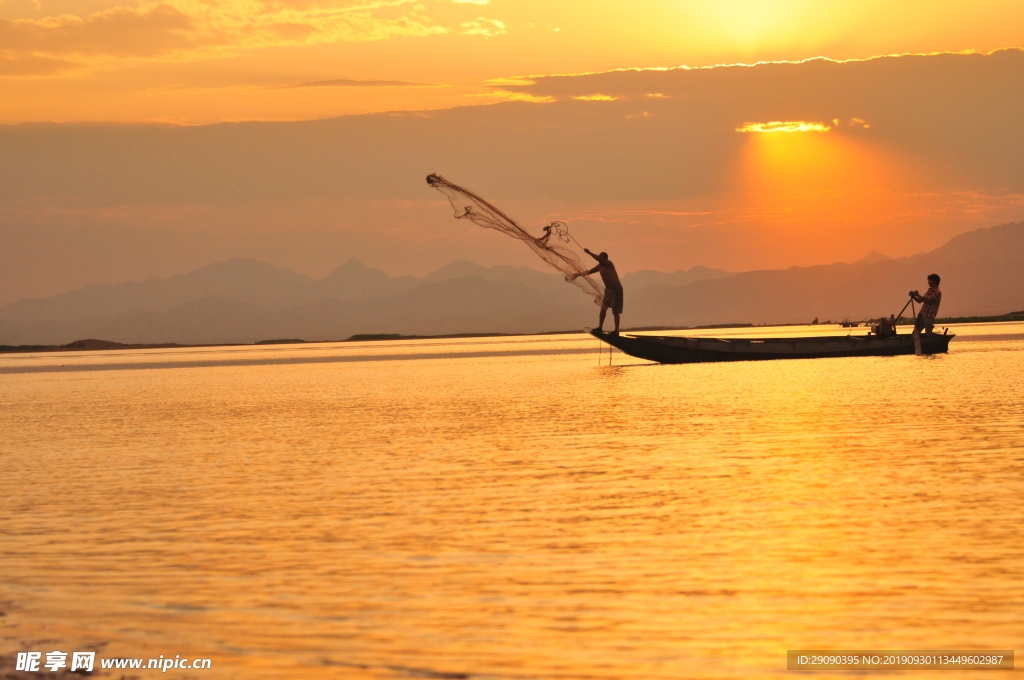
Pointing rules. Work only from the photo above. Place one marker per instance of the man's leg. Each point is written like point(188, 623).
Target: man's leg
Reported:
point(600, 321)
point(616, 315)
point(917, 338)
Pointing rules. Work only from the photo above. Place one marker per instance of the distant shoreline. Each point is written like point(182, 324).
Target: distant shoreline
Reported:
point(92, 345)
point(1012, 316)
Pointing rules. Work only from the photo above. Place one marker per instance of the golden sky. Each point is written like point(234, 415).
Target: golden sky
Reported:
point(202, 61)
point(630, 120)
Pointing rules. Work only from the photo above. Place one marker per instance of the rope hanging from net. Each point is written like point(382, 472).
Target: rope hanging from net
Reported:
point(549, 246)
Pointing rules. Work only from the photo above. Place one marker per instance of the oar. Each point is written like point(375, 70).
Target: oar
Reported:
point(900, 315)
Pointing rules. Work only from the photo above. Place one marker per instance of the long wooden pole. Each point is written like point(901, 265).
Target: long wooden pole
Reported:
point(900, 315)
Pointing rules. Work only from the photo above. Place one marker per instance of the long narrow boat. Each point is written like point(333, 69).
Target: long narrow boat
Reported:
point(670, 349)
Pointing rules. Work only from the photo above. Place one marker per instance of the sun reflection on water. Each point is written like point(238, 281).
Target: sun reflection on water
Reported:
point(523, 514)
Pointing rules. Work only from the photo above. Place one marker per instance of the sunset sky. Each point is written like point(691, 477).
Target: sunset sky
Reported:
point(202, 61)
point(683, 159)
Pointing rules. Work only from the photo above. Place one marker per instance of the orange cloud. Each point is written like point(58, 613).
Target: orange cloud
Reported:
point(67, 42)
point(121, 31)
point(484, 27)
point(506, 96)
point(31, 65)
point(179, 30)
point(784, 126)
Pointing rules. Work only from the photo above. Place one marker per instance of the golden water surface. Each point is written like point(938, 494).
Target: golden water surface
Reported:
point(507, 508)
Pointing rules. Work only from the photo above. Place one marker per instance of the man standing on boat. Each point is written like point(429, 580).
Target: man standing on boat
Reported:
point(612, 288)
point(929, 305)
point(929, 308)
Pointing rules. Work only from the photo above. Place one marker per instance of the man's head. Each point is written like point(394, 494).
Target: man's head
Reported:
point(933, 280)
point(602, 256)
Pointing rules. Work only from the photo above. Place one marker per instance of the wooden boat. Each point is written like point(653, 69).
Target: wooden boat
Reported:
point(670, 349)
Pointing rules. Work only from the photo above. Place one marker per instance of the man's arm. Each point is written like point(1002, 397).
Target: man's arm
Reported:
point(587, 273)
point(593, 256)
point(916, 296)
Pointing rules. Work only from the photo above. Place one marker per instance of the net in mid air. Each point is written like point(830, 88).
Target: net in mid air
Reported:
point(553, 246)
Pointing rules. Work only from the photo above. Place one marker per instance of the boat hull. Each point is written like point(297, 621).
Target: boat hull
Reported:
point(668, 349)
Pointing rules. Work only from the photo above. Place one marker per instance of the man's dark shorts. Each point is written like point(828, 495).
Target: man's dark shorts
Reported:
point(613, 299)
point(925, 325)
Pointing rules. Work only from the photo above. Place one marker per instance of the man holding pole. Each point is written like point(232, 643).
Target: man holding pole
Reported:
point(929, 308)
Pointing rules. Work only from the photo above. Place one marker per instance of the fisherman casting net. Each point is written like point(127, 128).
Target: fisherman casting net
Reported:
point(553, 247)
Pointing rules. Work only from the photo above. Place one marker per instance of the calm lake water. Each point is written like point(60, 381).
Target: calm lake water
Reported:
point(507, 508)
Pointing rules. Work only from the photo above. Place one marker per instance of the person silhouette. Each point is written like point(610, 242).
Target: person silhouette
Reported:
point(612, 289)
point(929, 307)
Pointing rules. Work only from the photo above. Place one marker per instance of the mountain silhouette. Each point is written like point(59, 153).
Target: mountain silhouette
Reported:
point(873, 257)
point(244, 300)
point(680, 277)
point(982, 274)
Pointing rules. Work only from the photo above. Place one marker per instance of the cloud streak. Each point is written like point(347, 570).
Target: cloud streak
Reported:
point(484, 27)
point(182, 30)
point(784, 126)
point(28, 65)
point(121, 31)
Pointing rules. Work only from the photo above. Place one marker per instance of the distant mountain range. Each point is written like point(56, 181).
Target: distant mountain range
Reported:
point(982, 274)
point(245, 300)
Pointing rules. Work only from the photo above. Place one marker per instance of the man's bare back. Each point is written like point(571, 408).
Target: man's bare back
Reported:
point(608, 274)
point(612, 287)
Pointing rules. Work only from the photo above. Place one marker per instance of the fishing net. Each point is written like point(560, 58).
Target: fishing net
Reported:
point(553, 247)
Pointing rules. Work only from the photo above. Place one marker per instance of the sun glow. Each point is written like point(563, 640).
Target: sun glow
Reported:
point(784, 126)
point(784, 163)
point(826, 188)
